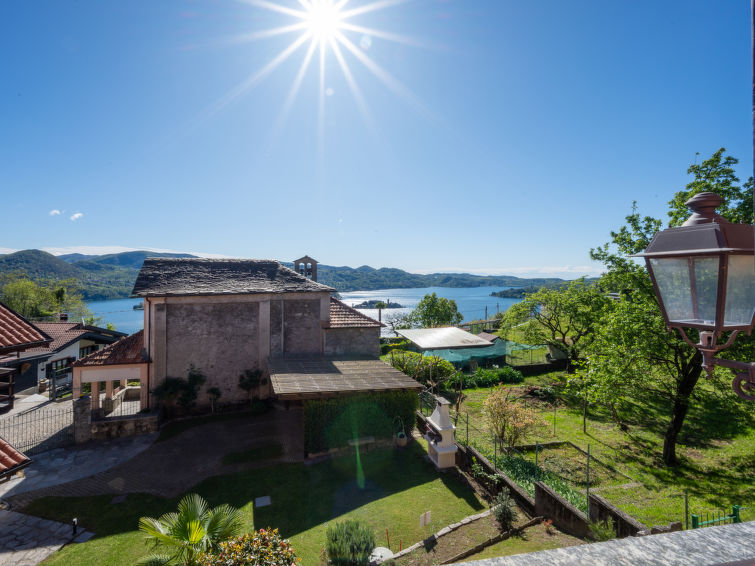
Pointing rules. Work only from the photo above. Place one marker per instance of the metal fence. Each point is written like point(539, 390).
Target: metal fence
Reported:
point(39, 429)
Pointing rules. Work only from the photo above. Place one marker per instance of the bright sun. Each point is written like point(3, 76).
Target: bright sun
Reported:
point(323, 20)
point(327, 31)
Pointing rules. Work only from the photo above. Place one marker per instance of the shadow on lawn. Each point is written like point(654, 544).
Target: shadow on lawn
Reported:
point(303, 496)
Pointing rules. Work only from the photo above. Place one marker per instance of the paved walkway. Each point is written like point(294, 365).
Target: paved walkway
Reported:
point(172, 467)
point(134, 465)
point(67, 464)
point(27, 541)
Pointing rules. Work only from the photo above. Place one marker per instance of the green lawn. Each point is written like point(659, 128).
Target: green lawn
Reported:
point(716, 453)
point(388, 489)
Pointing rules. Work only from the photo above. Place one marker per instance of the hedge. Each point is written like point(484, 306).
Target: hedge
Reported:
point(488, 378)
point(420, 367)
point(331, 423)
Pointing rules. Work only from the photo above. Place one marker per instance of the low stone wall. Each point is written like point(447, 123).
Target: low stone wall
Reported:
point(602, 510)
point(563, 514)
point(464, 457)
point(120, 427)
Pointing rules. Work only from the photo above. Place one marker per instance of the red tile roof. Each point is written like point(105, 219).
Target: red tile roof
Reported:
point(17, 333)
point(11, 460)
point(65, 333)
point(128, 350)
point(343, 316)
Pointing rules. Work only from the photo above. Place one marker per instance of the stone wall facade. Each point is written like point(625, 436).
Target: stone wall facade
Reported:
point(352, 342)
point(225, 335)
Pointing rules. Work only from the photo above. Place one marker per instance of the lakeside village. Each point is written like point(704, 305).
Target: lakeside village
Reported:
point(258, 419)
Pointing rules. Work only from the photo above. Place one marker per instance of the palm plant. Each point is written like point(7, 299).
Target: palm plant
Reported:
point(195, 529)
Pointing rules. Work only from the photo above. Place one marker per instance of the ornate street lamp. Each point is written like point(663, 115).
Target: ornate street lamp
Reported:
point(704, 277)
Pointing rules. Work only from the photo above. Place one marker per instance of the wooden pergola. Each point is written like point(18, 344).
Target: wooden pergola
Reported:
point(298, 379)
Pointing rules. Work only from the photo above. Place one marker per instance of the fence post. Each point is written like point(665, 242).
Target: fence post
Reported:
point(695, 521)
point(588, 477)
point(495, 453)
point(735, 514)
point(686, 510)
point(467, 429)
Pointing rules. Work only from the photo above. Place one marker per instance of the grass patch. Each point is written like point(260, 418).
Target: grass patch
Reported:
point(532, 540)
point(388, 489)
point(267, 452)
point(717, 443)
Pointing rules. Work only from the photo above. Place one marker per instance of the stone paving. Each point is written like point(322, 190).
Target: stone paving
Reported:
point(27, 541)
point(132, 465)
point(67, 464)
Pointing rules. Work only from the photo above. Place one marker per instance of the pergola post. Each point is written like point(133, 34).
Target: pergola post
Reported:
point(95, 395)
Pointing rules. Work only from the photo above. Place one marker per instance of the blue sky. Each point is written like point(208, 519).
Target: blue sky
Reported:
point(501, 136)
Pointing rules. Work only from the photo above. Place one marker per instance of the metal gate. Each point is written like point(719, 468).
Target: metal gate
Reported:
point(39, 429)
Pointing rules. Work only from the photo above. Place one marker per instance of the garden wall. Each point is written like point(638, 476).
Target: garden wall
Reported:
point(464, 456)
point(563, 514)
point(625, 525)
point(120, 427)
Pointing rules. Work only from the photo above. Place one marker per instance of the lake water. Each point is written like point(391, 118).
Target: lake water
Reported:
point(471, 301)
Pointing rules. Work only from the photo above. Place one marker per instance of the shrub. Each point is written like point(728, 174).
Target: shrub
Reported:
point(508, 420)
point(349, 543)
point(422, 368)
point(330, 423)
point(183, 391)
point(602, 530)
point(503, 510)
point(259, 548)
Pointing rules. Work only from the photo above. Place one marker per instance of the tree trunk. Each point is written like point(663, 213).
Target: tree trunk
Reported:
point(684, 389)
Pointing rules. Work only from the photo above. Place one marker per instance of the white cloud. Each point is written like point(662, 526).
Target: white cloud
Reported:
point(7, 250)
point(75, 216)
point(54, 212)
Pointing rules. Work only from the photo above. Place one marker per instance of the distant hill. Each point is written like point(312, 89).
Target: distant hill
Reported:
point(101, 277)
point(112, 276)
point(366, 278)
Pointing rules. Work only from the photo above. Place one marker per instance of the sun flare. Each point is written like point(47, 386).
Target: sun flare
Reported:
point(327, 31)
point(323, 20)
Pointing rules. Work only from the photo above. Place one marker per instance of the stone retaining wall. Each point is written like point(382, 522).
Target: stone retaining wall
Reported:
point(564, 515)
point(625, 525)
point(120, 427)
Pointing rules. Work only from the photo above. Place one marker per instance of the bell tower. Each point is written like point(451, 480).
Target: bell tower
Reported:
point(307, 267)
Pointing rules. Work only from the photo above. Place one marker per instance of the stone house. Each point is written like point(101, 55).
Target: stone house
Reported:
point(227, 316)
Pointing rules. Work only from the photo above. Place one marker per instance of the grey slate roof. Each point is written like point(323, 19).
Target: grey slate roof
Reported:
point(725, 544)
point(160, 277)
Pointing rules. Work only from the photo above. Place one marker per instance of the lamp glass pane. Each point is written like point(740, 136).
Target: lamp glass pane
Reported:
point(672, 277)
point(706, 287)
point(740, 291)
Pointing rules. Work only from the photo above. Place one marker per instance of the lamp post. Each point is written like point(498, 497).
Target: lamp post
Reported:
point(703, 273)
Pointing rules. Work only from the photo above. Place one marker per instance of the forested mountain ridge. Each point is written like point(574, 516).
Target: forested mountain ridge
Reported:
point(112, 276)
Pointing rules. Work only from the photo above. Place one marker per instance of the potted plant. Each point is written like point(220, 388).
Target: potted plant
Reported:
point(400, 436)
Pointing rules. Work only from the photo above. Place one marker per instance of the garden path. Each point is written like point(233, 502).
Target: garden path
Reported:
point(168, 468)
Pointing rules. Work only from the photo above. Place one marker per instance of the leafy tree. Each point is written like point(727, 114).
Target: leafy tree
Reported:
point(195, 529)
point(508, 420)
point(434, 311)
point(562, 318)
point(39, 300)
point(715, 174)
point(632, 353)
